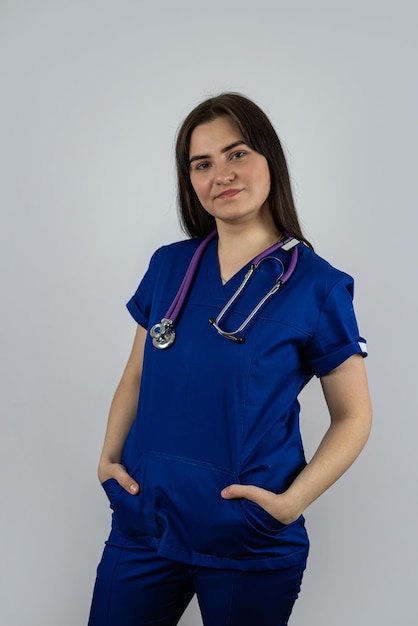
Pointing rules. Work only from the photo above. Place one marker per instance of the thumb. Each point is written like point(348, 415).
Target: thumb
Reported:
point(126, 481)
point(250, 492)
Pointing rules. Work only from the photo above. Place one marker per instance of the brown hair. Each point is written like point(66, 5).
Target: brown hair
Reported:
point(259, 135)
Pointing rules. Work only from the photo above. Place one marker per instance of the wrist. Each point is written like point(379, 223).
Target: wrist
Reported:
point(107, 458)
point(105, 469)
point(292, 506)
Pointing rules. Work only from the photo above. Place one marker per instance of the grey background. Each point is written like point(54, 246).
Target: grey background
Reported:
point(92, 92)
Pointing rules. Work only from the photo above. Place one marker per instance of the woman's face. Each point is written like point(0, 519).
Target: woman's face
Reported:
point(231, 180)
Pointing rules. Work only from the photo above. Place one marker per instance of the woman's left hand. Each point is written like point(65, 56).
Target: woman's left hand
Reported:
point(278, 505)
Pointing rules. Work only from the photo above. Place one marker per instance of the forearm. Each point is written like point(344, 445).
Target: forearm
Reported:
point(121, 416)
point(339, 448)
point(347, 396)
point(122, 411)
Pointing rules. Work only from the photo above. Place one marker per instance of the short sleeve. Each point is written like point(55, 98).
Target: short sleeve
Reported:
point(336, 336)
point(139, 305)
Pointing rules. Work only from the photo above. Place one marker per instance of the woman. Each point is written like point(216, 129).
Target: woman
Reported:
point(206, 472)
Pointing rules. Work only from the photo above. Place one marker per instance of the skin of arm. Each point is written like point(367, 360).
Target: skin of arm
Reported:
point(121, 415)
point(347, 396)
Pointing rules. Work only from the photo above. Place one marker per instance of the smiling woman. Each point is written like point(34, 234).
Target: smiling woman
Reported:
point(257, 133)
point(208, 482)
point(231, 185)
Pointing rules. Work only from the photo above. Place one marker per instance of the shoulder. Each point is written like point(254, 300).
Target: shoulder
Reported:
point(170, 262)
point(177, 251)
point(319, 271)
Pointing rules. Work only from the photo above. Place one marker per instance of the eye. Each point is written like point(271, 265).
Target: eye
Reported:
point(203, 166)
point(238, 155)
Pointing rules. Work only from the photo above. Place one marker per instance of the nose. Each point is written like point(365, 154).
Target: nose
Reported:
point(224, 174)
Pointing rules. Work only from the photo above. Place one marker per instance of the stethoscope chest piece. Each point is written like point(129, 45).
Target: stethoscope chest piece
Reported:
point(162, 334)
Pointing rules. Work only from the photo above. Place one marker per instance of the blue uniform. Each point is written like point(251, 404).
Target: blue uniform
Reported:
point(213, 412)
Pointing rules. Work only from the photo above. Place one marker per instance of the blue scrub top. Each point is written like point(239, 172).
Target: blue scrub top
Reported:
point(213, 412)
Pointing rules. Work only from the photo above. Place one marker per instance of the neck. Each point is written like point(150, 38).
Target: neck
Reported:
point(239, 245)
point(246, 242)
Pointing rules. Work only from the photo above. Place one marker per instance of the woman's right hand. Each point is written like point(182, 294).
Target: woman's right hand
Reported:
point(118, 472)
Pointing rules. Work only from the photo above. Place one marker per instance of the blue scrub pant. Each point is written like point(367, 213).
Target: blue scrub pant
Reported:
point(136, 587)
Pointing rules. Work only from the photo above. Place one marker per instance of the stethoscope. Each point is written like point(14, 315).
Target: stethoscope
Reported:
point(163, 334)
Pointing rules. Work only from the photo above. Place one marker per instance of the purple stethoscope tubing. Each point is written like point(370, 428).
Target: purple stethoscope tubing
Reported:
point(181, 295)
point(163, 334)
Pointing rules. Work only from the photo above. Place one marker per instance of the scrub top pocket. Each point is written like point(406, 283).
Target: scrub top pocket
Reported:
point(261, 520)
point(132, 514)
point(180, 503)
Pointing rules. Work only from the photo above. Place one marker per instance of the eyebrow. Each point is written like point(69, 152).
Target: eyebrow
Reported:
point(197, 157)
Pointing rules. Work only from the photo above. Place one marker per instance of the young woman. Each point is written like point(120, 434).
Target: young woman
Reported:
point(203, 462)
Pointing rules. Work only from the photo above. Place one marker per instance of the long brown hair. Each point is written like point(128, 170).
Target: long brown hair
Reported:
point(259, 134)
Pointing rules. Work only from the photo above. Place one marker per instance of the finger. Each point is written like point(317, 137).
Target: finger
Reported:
point(126, 481)
point(250, 492)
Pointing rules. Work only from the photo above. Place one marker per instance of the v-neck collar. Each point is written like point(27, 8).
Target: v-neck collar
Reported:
point(215, 286)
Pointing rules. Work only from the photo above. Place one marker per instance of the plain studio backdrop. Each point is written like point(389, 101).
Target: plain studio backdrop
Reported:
point(92, 92)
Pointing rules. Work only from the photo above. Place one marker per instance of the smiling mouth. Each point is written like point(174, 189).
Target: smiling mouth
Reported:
point(228, 193)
